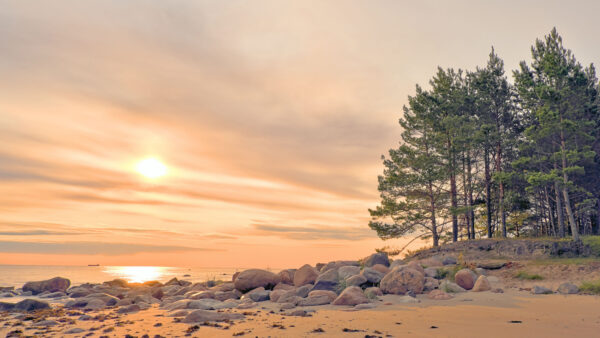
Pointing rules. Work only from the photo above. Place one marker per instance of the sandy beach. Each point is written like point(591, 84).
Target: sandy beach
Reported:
point(511, 314)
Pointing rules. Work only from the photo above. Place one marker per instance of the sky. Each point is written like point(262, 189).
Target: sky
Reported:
point(271, 117)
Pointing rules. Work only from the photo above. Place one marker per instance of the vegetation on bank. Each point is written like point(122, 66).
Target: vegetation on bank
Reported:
point(590, 287)
point(524, 275)
point(481, 157)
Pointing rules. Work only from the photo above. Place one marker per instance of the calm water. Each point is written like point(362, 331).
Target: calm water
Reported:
point(17, 275)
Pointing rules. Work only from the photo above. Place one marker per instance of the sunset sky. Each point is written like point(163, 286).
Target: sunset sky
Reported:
point(271, 117)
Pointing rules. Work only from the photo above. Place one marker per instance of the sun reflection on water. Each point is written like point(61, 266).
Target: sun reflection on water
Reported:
point(137, 274)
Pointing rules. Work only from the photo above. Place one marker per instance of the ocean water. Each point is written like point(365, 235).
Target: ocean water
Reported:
point(17, 275)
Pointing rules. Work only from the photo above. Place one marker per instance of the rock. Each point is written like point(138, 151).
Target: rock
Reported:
point(46, 323)
point(234, 276)
point(430, 284)
point(373, 292)
point(448, 286)
point(408, 300)
point(95, 304)
point(201, 316)
point(254, 278)
point(305, 275)
point(568, 289)
point(129, 309)
point(51, 285)
point(493, 279)
point(416, 266)
point(365, 306)
point(373, 276)
point(396, 263)
point(289, 297)
point(31, 305)
point(282, 286)
point(74, 330)
point(439, 295)
point(275, 294)
point(298, 313)
point(258, 294)
point(179, 313)
point(449, 260)
point(6, 295)
point(348, 271)
point(356, 280)
point(352, 295)
point(497, 290)
point(57, 294)
point(328, 280)
point(117, 283)
point(287, 306)
point(431, 272)
point(377, 258)
point(481, 284)
point(338, 264)
point(491, 265)
point(465, 278)
point(540, 290)
point(401, 281)
point(7, 288)
point(381, 268)
point(303, 290)
point(287, 276)
point(318, 293)
point(225, 295)
point(315, 300)
point(124, 302)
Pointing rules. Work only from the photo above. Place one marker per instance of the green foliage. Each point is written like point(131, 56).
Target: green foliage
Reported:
point(523, 275)
point(594, 243)
point(341, 285)
point(590, 287)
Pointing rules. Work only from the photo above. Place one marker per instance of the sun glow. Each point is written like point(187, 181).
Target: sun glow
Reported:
point(137, 274)
point(151, 168)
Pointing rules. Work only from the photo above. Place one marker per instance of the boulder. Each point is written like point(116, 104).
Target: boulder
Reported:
point(416, 266)
point(323, 293)
point(491, 265)
point(303, 291)
point(29, 305)
point(225, 295)
point(315, 300)
point(356, 280)
point(373, 276)
point(431, 272)
point(204, 304)
point(568, 289)
point(254, 278)
point(95, 304)
point(430, 284)
point(431, 262)
point(305, 275)
point(348, 271)
point(448, 286)
point(465, 278)
point(282, 286)
point(338, 264)
point(439, 295)
point(51, 285)
point(287, 276)
point(201, 316)
point(351, 296)
point(275, 294)
point(377, 258)
point(117, 283)
point(481, 284)
point(74, 330)
point(258, 294)
point(373, 292)
point(328, 280)
point(234, 276)
point(540, 290)
point(408, 300)
point(381, 268)
point(449, 260)
point(129, 308)
point(401, 281)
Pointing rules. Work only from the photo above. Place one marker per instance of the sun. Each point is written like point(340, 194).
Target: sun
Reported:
point(151, 168)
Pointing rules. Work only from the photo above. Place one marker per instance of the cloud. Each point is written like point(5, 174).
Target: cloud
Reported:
point(317, 232)
point(35, 233)
point(91, 248)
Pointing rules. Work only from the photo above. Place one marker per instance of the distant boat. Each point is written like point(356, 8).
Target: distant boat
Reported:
point(93, 264)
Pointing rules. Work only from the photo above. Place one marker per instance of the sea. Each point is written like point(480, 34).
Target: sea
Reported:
point(17, 275)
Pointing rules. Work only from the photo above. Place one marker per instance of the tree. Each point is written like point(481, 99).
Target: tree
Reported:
point(411, 187)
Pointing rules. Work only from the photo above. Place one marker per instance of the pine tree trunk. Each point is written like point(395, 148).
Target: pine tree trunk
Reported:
point(565, 189)
point(559, 209)
point(501, 189)
point(434, 232)
point(471, 211)
point(466, 196)
point(550, 213)
point(488, 198)
point(454, 207)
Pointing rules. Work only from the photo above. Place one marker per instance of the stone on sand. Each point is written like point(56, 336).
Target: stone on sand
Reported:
point(568, 289)
point(351, 296)
point(465, 278)
point(254, 278)
point(200, 316)
point(401, 281)
point(377, 258)
point(481, 284)
point(305, 275)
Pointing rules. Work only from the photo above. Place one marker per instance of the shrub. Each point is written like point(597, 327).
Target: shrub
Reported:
point(590, 287)
point(522, 275)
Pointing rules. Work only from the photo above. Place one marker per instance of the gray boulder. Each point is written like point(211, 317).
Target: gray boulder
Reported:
point(540, 290)
point(373, 276)
point(254, 278)
point(377, 258)
point(51, 285)
point(351, 296)
point(568, 289)
point(348, 271)
point(201, 316)
point(328, 280)
point(356, 280)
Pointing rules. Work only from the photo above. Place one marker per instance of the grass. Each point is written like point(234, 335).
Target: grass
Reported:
point(590, 287)
point(565, 261)
point(341, 286)
point(522, 275)
point(593, 242)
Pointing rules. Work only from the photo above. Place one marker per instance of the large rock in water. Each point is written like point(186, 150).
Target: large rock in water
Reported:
point(351, 296)
point(401, 281)
point(254, 278)
point(465, 278)
point(377, 258)
point(51, 285)
point(305, 275)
